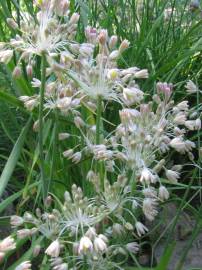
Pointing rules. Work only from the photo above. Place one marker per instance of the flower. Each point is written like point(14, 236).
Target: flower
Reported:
point(191, 87)
point(99, 244)
point(24, 266)
point(7, 244)
point(132, 247)
point(163, 193)
point(173, 176)
point(16, 221)
point(85, 245)
point(149, 208)
point(5, 56)
point(54, 249)
point(141, 229)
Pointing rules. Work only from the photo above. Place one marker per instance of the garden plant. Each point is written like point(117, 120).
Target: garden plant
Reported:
point(100, 133)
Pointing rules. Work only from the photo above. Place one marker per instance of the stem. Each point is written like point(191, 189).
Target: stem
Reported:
point(41, 123)
point(55, 141)
point(98, 124)
point(98, 119)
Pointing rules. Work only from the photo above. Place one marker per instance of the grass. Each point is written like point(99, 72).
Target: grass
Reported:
point(170, 50)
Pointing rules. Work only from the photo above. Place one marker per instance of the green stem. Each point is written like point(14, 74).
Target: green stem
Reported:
point(55, 141)
point(41, 123)
point(98, 119)
point(98, 133)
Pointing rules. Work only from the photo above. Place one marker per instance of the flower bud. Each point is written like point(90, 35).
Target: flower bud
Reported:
point(99, 245)
point(16, 221)
point(17, 72)
point(124, 45)
point(12, 23)
point(113, 41)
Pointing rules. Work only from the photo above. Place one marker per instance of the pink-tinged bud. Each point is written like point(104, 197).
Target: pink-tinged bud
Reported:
point(91, 34)
point(21, 234)
point(16, 221)
point(74, 18)
point(7, 244)
point(113, 41)
point(29, 70)
point(36, 250)
point(48, 201)
point(76, 157)
point(165, 88)
point(124, 45)
point(17, 72)
point(103, 36)
point(12, 23)
point(54, 249)
point(5, 56)
point(79, 122)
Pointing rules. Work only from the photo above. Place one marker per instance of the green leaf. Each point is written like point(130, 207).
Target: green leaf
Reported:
point(165, 259)
point(12, 198)
point(13, 158)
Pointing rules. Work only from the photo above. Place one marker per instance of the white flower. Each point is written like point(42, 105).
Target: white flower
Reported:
point(163, 193)
point(178, 144)
point(147, 176)
point(132, 247)
point(5, 56)
point(7, 244)
point(54, 249)
point(85, 245)
point(24, 266)
point(173, 176)
point(142, 74)
point(133, 95)
point(99, 245)
point(63, 136)
point(141, 229)
point(191, 87)
point(149, 208)
point(16, 221)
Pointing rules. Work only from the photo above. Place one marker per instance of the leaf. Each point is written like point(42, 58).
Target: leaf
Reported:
point(165, 259)
point(13, 158)
point(12, 198)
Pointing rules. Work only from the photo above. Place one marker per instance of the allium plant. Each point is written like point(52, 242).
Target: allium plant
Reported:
point(102, 230)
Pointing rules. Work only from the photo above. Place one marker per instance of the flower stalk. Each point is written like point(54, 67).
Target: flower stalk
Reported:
point(41, 124)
